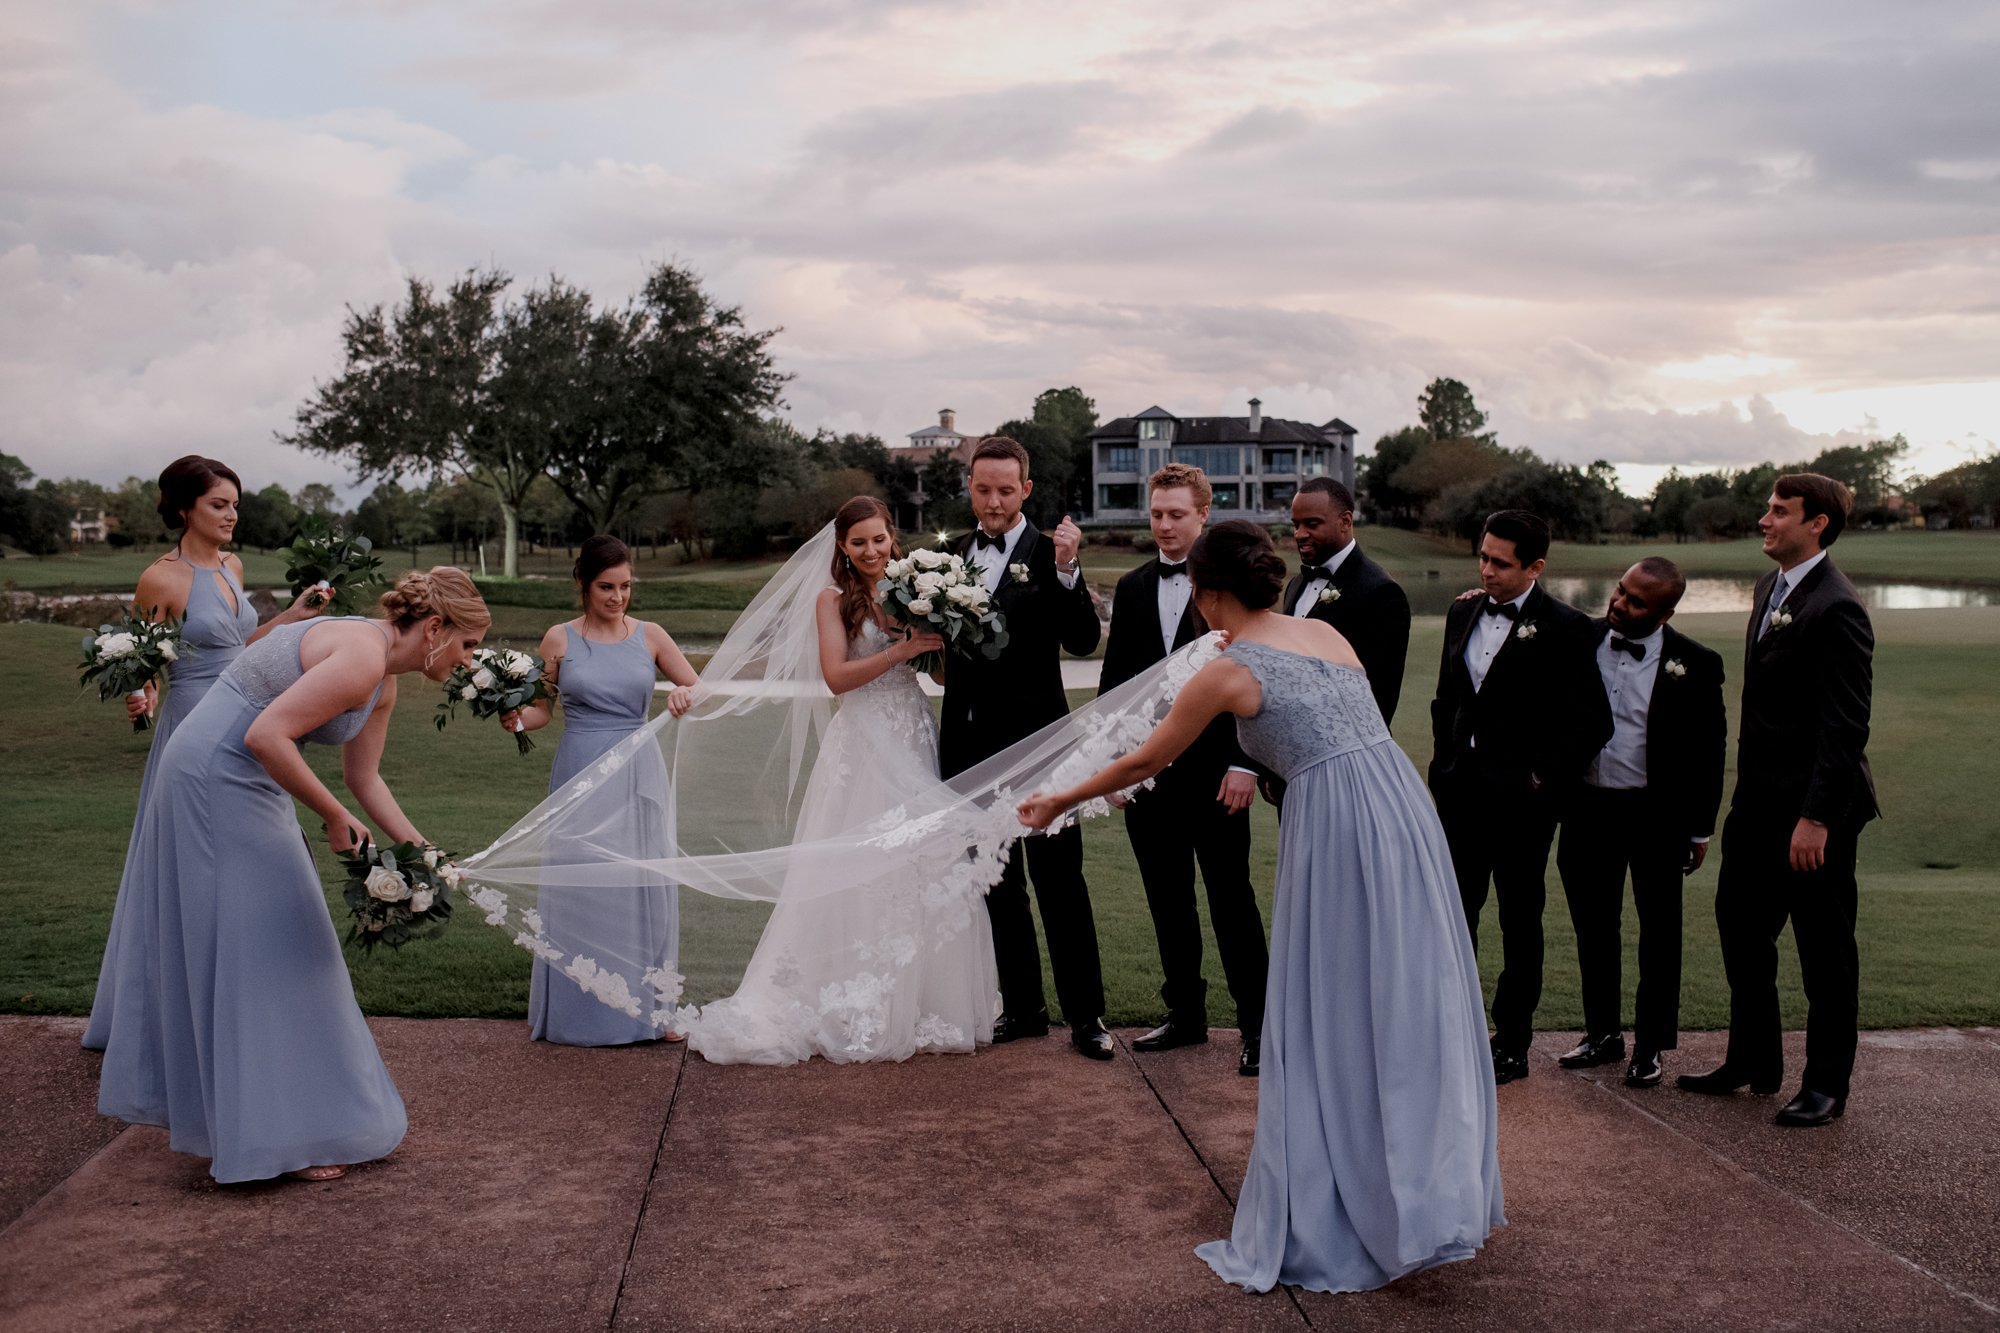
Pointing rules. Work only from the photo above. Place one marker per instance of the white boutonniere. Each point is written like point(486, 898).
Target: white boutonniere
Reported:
point(1673, 667)
point(1779, 618)
point(1018, 572)
point(1329, 595)
point(1527, 629)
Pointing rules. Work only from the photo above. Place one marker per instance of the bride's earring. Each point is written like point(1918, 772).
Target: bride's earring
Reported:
point(431, 656)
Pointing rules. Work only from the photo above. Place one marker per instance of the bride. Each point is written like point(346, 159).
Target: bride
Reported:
point(896, 965)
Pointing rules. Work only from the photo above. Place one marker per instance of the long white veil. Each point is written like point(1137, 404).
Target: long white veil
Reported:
point(710, 802)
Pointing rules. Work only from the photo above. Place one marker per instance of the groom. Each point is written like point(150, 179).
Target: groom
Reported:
point(1037, 583)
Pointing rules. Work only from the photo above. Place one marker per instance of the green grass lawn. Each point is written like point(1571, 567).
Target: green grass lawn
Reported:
point(1930, 870)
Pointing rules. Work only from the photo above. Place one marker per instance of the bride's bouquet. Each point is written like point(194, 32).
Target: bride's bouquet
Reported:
point(500, 680)
point(396, 893)
point(337, 567)
point(940, 592)
point(125, 658)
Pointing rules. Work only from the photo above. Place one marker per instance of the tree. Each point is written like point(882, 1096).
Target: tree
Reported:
point(1448, 412)
point(1869, 471)
point(266, 519)
point(1393, 452)
point(391, 517)
point(34, 518)
point(1056, 434)
point(316, 498)
point(135, 508)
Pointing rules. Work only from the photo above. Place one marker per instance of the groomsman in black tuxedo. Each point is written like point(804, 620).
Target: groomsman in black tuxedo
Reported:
point(1803, 792)
point(989, 704)
point(1198, 810)
point(1519, 713)
point(1647, 804)
point(1339, 584)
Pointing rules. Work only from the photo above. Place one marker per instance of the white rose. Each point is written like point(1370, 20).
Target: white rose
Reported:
point(929, 559)
point(964, 595)
point(927, 584)
point(954, 577)
point(519, 664)
point(468, 692)
point(483, 678)
point(431, 857)
point(420, 901)
point(168, 651)
point(387, 885)
point(921, 606)
point(450, 874)
point(119, 644)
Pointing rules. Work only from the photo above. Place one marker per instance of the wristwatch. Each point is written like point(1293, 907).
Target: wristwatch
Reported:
point(1070, 568)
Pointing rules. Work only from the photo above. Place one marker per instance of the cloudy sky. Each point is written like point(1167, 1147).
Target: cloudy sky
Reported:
point(1698, 234)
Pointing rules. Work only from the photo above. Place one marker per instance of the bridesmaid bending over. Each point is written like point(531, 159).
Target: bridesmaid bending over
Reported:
point(241, 1035)
point(202, 585)
point(603, 663)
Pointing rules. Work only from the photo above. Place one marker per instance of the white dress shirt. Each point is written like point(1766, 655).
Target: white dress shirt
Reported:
point(1787, 581)
point(993, 564)
point(1309, 595)
point(1488, 637)
point(1174, 594)
point(1628, 684)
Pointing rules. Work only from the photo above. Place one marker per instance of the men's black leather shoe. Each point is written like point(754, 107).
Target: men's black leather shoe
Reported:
point(1645, 1070)
point(1508, 1067)
point(1810, 1109)
point(1092, 1040)
point(1169, 1035)
point(1723, 1079)
point(1009, 1028)
point(1246, 1059)
point(1601, 1049)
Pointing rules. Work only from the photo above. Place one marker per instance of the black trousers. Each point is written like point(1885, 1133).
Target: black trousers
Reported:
point(1500, 835)
point(1757, 892)
point(1605, 834)
point(1056, 865)
point(1172, 827)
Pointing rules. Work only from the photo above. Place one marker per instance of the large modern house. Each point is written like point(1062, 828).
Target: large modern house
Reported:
point(1255, 463)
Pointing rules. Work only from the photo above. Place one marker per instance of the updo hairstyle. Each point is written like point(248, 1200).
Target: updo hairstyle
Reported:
point(1237, 557)
point(597, 554)
point(444, 591)
point(185, 480)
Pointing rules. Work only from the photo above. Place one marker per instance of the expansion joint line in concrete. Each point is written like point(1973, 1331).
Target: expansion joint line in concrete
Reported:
point(646, 1195)
point(1732, 1165)
point(1291, 1294)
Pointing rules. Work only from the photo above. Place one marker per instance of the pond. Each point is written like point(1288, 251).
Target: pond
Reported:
point(1590, 593)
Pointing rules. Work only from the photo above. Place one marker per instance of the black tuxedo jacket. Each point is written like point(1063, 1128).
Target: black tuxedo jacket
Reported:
point(1542, 713)
point(1373, 612)
point(1135, 644)
point(1687, 732)
point(991, 703)
point(1807, 692)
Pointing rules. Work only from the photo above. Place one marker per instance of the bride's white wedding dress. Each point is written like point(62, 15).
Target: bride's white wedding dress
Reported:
point(876, 972)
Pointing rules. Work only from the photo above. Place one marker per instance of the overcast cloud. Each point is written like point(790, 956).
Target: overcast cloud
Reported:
point(1700, 235)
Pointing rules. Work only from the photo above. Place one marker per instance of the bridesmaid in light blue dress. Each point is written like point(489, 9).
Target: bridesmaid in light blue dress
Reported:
point(1376, 1143)
point(201, 585)
point(603, 664)
point(237, 1030)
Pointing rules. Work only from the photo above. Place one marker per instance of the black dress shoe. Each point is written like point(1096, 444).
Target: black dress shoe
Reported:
point(1724, 1079)
point(1246, 1059)
point(1644, 1071)
point(1009, 1028)
point(1810, 1109)
point(1171, 1034)
point(1507, 1066)
point(1092, 1040)
point(1601, 1049)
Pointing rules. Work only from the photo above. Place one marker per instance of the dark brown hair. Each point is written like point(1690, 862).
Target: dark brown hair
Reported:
point(185, 480)
point(1822, 495)
point(857, 595)
point(444, 591)
point(1527, 531)
point(1237, 557)
point(597, 554)
point(1001, 446)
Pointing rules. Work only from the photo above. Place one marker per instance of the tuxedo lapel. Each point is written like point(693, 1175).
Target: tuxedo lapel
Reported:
point(1293, 588)
point(1512, 647)
point(1149, 609)
point(1023, 554)
point(1663, 714)
point(1459, 636)
point(1758, 610)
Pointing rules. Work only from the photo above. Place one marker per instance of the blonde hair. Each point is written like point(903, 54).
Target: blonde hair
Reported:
point(444, 591)
point(1182, 474)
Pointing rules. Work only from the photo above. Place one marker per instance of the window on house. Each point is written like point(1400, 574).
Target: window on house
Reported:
point(1228, 495)
point(1283, 462)
point(1315, 463)
point(1214, 462)
point(1118, 495)
point(1278, 494)
point(1156, 429)
point(1121, 458)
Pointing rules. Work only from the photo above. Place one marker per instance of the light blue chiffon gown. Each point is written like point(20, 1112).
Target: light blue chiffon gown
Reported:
point(213, 633)
point(236, 1026)
point(1375, 1153)
point(606, 690)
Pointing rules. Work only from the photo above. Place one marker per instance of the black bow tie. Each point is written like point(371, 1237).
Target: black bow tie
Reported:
point(1168, 571)
point(1624, 645)
point(981, 540)
point(1507, 609)
point(1311, 572)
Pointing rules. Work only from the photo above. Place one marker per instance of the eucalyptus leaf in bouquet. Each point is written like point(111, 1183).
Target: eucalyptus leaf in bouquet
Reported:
point(396, 894)
point(123, 659)
point(938, 591)
point(341, 567)
point(500, 680)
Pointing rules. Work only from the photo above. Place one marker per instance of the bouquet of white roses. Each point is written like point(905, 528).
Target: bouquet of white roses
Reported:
point(394, 893)
point(124, 658)
point(938, 591)
point(500, 680)
point(338, 568)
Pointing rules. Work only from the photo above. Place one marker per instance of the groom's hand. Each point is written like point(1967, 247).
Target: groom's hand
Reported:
point(1238, 790)
point(1068, 537)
